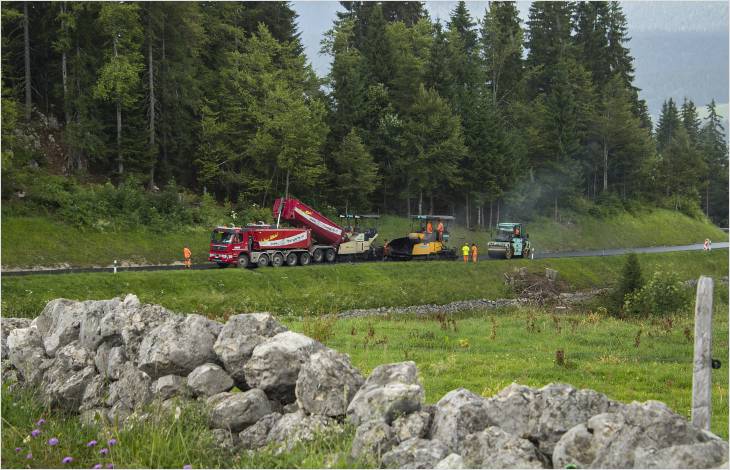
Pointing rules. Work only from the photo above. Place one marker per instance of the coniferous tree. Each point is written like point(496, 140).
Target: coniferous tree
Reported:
point(355, 175)
point(548, 40)
point(669, 123)
point(502, 39)
point(713, 146)
point(690, 120)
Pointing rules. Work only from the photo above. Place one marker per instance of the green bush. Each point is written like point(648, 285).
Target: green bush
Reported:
point(629, 282)
point(664, 294)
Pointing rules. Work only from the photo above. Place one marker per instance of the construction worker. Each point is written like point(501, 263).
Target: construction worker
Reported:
point(187, 255)
point(429, 227)
point(440, 230)
point(386, 249)
point(474, 253)
point(465, 252)
point(517, 231)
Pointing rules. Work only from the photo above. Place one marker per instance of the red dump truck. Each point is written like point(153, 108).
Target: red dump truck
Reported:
point(314, 237)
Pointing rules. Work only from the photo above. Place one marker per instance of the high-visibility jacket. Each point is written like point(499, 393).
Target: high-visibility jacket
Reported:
point(187, 253)
point(465, 250)
point(474, 251)
point(429, 228)
point(440, 228)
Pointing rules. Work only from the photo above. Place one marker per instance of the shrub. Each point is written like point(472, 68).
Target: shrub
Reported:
point(664, 294)
point(630, 281)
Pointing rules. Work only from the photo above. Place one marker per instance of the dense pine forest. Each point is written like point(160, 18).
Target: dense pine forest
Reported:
point(105, 102)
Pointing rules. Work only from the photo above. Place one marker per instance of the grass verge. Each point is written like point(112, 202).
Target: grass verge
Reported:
point(316, 290)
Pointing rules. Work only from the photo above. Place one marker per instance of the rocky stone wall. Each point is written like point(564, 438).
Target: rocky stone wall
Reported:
point(264, 385)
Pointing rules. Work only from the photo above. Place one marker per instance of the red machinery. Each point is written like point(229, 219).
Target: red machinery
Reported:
point(315, 238)
point(301, 215)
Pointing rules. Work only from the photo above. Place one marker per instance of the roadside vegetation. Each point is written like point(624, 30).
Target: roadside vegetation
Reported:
point(38, 240)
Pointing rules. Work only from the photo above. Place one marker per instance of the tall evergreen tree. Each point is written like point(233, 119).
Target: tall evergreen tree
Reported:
point(354, 174)
point(548, 40)
point(691, 121)
point(502, 38)
point(669, 124)
point(713, 145)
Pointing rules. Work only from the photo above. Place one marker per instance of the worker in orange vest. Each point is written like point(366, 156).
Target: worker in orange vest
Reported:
point(429, 227)
point(187, 255)
point(474, 253)
point(440, 230)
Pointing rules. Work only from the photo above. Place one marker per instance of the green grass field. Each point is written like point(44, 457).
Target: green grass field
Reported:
point(40, 241)
point(319, 289)
point(483, 351)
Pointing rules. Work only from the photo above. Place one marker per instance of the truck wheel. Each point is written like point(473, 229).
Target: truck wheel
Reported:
point(243, 261)
point(277, 260)
point(263, 261)
point(508, 253)
point(318, 255)
point(330, 255)
point(305, 258)
point(291, 259)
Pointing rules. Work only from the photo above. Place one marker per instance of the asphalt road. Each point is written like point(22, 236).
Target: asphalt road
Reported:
point(538, 255)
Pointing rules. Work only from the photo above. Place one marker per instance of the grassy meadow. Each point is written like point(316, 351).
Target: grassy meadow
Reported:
point(484, 351)
point(41, 241)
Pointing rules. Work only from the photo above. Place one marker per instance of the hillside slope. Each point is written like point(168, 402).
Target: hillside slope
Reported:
point(40, 241)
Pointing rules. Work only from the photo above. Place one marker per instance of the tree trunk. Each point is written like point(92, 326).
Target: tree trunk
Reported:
point(707, 199)
point(532, 175)
point(152, 111)
point(466, 217)
point(605, 165)
point(120, 161)
point(497, 210)
point(420, 202)
point(430, 212)
point(26, 41)
point(408, 206)
point(556, 209)
point(163, 165)
point(490, 215)
point(479, 216)
point(64, 70)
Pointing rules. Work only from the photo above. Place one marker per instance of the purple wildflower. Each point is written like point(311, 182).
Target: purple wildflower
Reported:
point(91, 443)
point(112, 442)
point(52, 441)
point(110, 465)
point(40, 422)
point(18, 449)
point(67, 460)
point(97, 466)
point(29, 456)
point(35, 432)
point(104, 451)
point(187, 466)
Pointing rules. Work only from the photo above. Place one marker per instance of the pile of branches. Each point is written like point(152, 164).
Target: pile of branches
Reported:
point(535, 288)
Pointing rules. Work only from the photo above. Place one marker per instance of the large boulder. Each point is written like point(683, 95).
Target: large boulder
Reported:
point(544, 415)
point(372, 440)
point(327, 383)
point(26, 353)
point(209, 379)
point(116, 362)
point(236, 411)
point(178, 346)
point(6, 326)
point(636, 434)
point(415, 453)
point(458, 414)
point(169, 386)
point(294, 428)
point(133, 389)
point(391, 390)
point(238, 338)
point(65, 388)
point(703, 455)
point(495, 448)
point(451, 461)
point(131, 323)
point(61, 320)
point(226, 440)
point(254, 436)
point(413, 425)
point(275, 364)
point(95, 393)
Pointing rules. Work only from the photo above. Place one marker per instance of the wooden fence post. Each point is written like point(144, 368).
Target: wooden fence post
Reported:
point(702, 370)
